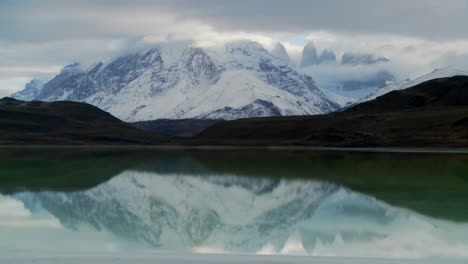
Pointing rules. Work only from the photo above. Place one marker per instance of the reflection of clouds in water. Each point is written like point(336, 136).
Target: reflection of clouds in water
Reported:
point(142, 258)
point(141, 211)
point(13, 214)
point(409, 237)
point(11, 207)
point(24, 232)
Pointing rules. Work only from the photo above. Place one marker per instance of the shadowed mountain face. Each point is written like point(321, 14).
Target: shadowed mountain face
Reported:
point(61, 123)
point(434, 113)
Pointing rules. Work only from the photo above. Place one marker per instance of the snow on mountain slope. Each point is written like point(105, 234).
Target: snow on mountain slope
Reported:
point(343, 101)
point(181, 81)
point(242, 89)
point(437, 73)
point(30, 91)
point(217, 214)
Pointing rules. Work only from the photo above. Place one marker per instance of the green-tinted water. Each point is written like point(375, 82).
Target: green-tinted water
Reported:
point(435, 184)
point(320, 203)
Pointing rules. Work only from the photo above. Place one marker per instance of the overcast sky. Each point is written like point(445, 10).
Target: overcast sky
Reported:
point(37, 38)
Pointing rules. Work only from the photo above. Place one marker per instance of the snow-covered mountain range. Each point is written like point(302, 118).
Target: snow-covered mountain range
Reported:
point(243, 79)
point(230, 214)
point(182, 81)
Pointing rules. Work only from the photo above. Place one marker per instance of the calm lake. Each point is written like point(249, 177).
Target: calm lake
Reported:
point(351, 206)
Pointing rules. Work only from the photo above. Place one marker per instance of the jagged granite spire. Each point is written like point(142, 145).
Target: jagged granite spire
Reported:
point(280, 52)
point(309, 55)
point(327, 56)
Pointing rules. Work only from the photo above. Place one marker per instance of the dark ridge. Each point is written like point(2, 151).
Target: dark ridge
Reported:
point(431, 114)
point(462, 123)
point(444, 92)
point(65, 123)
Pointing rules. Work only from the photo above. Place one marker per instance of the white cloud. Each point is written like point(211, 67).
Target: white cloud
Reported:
point(410, 56)
point(40, 37)
point(9, 86)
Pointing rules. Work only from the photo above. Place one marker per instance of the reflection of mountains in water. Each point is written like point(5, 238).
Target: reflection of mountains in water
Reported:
point(232, 214)
point(432, 184)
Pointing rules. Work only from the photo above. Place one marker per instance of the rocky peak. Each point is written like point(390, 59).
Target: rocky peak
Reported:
point(71, 69)
point(309, 55)
point(280, 52)
point(327, 56)
point(246, 47)
point(198, 63)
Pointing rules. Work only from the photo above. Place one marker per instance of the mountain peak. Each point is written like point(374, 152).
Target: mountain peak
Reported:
point(244, 45)
point(309, 55)
point(280, 51)
point(310, 44)
point(71, 69)
point(327, 56)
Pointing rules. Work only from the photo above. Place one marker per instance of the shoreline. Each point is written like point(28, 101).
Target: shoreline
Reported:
point(211, 258)
point(446, 150)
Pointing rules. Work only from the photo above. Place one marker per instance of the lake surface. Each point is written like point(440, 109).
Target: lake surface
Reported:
point(170, 206)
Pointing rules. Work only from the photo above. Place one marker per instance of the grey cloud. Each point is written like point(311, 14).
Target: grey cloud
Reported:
point(431, 19)
point(51, 33)
point(6, 92)
point(46, 19)
point(455, 60)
